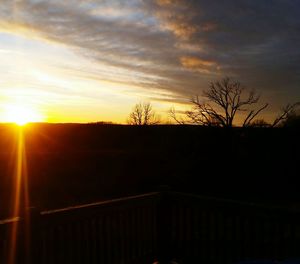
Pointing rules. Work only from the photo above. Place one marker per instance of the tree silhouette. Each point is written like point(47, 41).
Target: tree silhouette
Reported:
point(288, 113)
point(224, 99)
point(143, 114)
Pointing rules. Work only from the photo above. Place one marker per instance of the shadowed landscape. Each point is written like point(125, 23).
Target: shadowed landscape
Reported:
point(145, 193)
point(72, 164)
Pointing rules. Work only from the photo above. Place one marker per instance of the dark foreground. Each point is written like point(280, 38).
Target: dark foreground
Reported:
point(160, 226)
point(252, 175)
point(72, 164)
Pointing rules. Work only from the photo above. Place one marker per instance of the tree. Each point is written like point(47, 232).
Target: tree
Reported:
point(224, 99)
point(288, 114)
point(143, 114)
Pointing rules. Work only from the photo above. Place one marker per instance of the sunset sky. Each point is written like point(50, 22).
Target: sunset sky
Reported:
point(86, 61)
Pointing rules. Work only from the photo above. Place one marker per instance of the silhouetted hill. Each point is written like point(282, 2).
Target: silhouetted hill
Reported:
point(75, 163)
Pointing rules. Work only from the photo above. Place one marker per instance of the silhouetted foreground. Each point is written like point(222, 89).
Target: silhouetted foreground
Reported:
point(73, 164)
point(160, 226)
point(79, 164)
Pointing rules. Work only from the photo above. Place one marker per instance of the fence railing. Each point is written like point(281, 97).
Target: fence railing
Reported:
point(118, 231)
point(154, 226)
point(206, 230)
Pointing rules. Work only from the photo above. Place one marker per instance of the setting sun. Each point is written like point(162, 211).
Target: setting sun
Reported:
point(21, 115)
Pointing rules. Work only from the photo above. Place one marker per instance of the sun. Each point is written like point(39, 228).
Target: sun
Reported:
point(21, 114)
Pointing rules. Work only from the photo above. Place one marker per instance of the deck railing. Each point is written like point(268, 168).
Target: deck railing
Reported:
point(154, 226)
point(206, 230)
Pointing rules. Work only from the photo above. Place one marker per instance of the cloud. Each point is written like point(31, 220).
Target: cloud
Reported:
point(172, 45)
point(254, 41)
point(196, 64)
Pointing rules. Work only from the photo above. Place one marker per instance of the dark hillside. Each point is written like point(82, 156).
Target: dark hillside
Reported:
point(74, 163)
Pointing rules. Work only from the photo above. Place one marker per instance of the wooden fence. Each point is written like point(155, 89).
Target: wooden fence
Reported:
point(155, 226)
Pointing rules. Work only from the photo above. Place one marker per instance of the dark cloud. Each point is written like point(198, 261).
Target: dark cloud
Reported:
point(253, 40)
point(175, 45)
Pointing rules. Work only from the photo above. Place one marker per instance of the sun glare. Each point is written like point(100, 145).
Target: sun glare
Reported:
point(21, 115)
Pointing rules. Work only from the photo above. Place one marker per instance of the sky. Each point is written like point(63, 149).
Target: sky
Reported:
point(92, 60)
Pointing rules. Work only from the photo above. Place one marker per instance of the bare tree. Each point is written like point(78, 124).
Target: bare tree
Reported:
point(174, 116)
point(286, 112)
point(143, 114)
point(224, 99)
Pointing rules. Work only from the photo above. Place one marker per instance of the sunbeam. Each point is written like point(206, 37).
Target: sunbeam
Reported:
point(21, 196)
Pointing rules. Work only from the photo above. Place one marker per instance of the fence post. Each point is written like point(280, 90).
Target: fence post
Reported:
point(164, 226)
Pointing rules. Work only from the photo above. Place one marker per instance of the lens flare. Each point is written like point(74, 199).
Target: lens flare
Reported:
point(21, 195)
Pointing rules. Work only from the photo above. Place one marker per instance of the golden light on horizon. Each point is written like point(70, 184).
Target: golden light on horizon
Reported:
point(21, 114)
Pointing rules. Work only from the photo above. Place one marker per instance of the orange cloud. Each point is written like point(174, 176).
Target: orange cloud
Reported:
point(167, 2)
point(181, 29)
point(189, 47)
point(176, 16)
point(196, 64)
